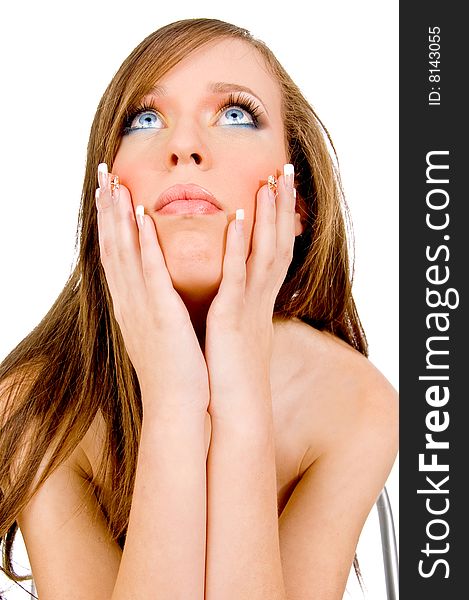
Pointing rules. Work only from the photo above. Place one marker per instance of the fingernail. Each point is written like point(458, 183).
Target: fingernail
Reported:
point(115, 187)
point(102, 176)
point(239, 219)
point(96, 197)
point(289, 176)
point(272, 188)
point(139, 212)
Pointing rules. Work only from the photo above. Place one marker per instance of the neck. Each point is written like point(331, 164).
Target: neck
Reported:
point(197, 308)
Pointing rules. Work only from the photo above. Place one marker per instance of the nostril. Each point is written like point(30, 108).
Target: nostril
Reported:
point(197, 158)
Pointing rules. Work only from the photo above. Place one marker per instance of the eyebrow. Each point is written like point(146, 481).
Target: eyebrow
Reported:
point(216, 87)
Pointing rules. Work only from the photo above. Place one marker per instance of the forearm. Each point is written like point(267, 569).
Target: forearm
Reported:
point(243, 553)
point(164, 554)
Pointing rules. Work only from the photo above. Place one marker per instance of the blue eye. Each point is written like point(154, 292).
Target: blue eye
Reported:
point(143, 117)
point(240, 110)
point(236, 116)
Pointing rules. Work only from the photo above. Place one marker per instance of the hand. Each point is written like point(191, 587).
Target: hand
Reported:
point(238, 345)
point(155, 325)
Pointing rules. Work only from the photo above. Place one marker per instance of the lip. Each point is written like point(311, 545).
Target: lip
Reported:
point(187, 198)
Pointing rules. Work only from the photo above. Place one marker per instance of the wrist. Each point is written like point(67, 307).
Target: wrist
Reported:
point(239, 402)
point(242, 440)
point(254, 425)
point(159, 411)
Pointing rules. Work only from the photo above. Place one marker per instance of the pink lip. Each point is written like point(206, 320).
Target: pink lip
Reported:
point(187, 199)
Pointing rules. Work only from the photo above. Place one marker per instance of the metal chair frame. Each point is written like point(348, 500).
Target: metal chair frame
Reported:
point(389, 545)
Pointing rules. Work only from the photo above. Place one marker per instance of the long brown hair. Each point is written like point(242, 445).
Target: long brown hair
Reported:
point(74, 363)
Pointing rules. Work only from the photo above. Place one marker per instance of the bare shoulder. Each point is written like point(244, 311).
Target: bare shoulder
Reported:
point(343, 395)
point(331, 362)
point(20, 434)
point(349, 421)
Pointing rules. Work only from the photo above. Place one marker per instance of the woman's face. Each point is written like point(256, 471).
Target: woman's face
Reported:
point(185, 137)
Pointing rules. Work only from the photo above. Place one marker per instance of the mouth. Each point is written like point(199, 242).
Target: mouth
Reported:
point(184, 199)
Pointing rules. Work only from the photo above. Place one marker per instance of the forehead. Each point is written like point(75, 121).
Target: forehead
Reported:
point(228, 60)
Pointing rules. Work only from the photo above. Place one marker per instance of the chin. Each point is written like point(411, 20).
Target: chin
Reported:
point(195, 277)
point(194, 259)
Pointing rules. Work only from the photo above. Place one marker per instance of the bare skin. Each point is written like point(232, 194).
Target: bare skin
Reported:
point(303, 428)
point(303, 401)
point(319, 405)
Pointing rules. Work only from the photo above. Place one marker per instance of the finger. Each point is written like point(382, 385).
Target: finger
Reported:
point(232, 286)
point(120, 252)
point(263, 251)
point(155, 272)
point(285, 217)
point(106, 233)
point(128, 261)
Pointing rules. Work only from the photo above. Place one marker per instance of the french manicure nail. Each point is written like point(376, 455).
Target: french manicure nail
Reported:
point(289, 176)
point(102, 176)
point(139, 212)
point(239, 219)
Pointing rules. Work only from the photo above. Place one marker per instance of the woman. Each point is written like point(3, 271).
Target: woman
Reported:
point(196, 417)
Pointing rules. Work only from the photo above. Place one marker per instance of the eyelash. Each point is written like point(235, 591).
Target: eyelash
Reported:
point(237, 100)
point(245, 103)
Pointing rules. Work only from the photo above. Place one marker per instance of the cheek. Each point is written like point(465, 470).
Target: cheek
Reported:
point(133, 171)
point(252, 166)
point(246, 166)
point(244, 169)
point(259, 155)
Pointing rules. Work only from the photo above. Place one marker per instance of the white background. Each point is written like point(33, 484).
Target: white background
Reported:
point(57, 59)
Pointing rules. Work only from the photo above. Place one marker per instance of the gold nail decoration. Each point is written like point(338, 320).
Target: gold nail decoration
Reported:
point(114, 182)
point(272, 183)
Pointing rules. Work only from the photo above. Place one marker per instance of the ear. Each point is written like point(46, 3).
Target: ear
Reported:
point(299, 215)
point(299, 227)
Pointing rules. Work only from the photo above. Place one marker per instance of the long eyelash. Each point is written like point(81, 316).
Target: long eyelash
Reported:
point(239, 99)
point(133, 111)
point(244, 102)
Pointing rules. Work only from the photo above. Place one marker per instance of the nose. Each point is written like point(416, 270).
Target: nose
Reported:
point(186, 146)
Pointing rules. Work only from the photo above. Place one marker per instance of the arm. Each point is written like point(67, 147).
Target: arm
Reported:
point(165, 544)
point(71, 551)
point(164, 553)
point(243, 552)
point(322, 521)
